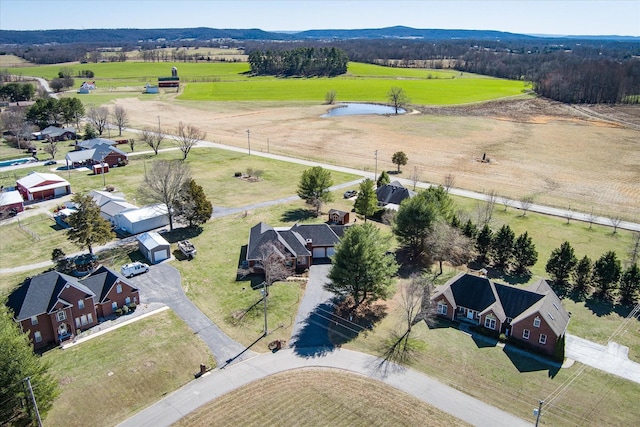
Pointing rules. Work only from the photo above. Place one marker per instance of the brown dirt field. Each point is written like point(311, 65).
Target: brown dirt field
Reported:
point(583, 157)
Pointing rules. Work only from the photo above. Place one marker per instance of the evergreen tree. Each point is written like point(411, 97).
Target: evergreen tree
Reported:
point(442, 201)
point(524, 253)
point(469, 229)
point(630, 285)
point(89, 132)
point(192, 204)
point(88, 228)
point(366, 203)
point(582, 278)
point(19, 362)
point(399, 158)
point(483, 242)
point(314, 187)
point(502, 246)
point(361, 267)
point(606, 273)
point(561, 265)
point(383, 179)
point(412, 225)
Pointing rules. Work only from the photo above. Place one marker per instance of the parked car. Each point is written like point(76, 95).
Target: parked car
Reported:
point(50, 162)
point(350, 193)
point(134, 268)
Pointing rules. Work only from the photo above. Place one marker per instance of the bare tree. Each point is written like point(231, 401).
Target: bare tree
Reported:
point(591, 218)
point(449, 181)
point(153, 138)
point(52, 148)
point(485, 210)
point(98, 117)
point(276, 262)
point(525, 204)
point(568, 214)
point(397, 98)
point(163, 183)
point(634, 250)
point(447, 243)
point(132, 143)
point(12, 120)
point(121, 118)
point(615, 222)
point(415, 176)
point(506, 201)
point(187, 136)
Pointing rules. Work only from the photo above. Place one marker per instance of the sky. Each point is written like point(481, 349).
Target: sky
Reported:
point(551, 17)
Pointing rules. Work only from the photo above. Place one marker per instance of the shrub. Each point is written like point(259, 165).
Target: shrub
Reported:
point(237, 174)
point(132, 306)
point(125, 309)
point(118, 312)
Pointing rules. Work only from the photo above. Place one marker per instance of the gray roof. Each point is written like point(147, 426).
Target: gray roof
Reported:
point(102, 280)
point(91, 143)
point(103, 150)
point(319, 234)
point(393, 193)
point(39, 294)
point(293, 239)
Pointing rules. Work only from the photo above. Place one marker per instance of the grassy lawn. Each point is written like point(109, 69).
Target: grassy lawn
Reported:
point(108, 378)
point(509, 380)
point(315, 398)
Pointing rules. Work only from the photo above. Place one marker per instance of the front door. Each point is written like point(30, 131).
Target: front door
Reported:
point(470, 314)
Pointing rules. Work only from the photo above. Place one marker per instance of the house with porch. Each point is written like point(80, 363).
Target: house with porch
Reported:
point(53, 307)
point(300, 244)
point(533, 315)
point(97, 155)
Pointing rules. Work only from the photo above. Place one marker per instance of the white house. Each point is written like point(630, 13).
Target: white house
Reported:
point(143, 219)
point(154, 247)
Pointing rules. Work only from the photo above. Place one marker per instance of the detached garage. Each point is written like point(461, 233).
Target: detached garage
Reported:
point(154, 247)
point(11, 201)
point(135, 221)
point(42, 186)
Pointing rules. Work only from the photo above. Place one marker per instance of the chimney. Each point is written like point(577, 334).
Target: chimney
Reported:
point(309, 244)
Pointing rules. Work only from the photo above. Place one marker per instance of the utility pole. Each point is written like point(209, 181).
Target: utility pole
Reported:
point(264, 297)
point(102, 168)
point(158, 124)
point(33, 399)
point(249, 140)
point(539, 414)
point(375, 178)
point(267, 145)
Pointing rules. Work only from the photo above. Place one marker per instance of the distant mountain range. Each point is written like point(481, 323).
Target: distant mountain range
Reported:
point(131, 36)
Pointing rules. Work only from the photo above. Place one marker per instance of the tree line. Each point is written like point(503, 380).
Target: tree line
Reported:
point(303, 61)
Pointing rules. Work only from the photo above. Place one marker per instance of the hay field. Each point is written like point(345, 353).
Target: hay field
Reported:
point(560, 156)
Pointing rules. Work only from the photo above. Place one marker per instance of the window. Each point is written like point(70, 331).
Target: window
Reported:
point(78, 324)
point(90, 318)
point(61, 315)
point(127, 300)
point(83, 319)
point(442, 308)
point(80, 304)
point(490, 323)
point(34, 320)
point(114, 305)
point(37, 336)
point(119, 288)
point(525, 334)
point(543, 339)
point(536, 322)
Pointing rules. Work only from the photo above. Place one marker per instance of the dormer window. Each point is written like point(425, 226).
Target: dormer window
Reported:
point(536, 322)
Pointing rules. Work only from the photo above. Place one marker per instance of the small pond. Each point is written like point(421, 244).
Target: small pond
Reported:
point(352, 109)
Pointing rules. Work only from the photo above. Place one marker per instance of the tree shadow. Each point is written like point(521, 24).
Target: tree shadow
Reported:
point(181, 234)
point(599, 307)
point(480, 340)
point(298, 214)
point(312, 340)
point(528, 362)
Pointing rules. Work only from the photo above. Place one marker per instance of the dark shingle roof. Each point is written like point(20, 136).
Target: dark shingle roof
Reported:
point(473, 292)
point(393, 193)
point(101, 280)
point(516, 300)
point(320, 234)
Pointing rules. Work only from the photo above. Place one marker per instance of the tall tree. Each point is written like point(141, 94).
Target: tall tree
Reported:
point(99, 118)
point(187, 136)
point(192, 204)
point(630, 285)
point(502, 246)
point(582, 278)
point(398, 98)
point(383, 179)
point(121, 117)
point(447, 243)
point(153, 138)
point(483, 242)
point(88, 228)
point(606, 273)
point(163, 182)
point(275, 265)
point(525, 254)
point(18, 363)
point(52, 148)
point(561, 264)
point(314, 187)
point(412, 225)
point(362, 267)
point(399, 159)
point(366, 203)
point(72, 110)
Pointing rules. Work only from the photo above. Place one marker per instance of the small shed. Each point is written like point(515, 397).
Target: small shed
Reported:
point(11, 200)
point(154, 247)
point(98, 169)
point(338, 217)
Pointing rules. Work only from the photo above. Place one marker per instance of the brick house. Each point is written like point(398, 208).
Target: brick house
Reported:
point(53, 307)
point(533, 316)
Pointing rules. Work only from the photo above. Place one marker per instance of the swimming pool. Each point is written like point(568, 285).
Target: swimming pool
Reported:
point(16, 162)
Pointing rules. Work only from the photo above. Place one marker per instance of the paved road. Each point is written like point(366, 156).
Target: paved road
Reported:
point(162, 284)
point(219, 382)
point(612, 358)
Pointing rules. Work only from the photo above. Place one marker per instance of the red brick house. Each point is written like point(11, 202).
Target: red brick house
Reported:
point(42, 186)
point(533, 316)
point(53, 307)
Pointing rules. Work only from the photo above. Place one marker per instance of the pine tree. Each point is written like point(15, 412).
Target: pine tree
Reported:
point(483, 242)
point(88, 228)
point(606, 273)
point(630, 285)
point(192, 204)
point(561, 264)
point(582, 278)
point(502, 246)
point(524, 253)
point(367, 203)
point(383, 179)
point(314, 187)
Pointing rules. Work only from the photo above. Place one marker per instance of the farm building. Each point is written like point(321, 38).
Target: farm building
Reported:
point(11, 201)
point(143, 219)
point(42, 186)
point(149, 88)
point(154, 247)
point(103, 197)
point(112, 208)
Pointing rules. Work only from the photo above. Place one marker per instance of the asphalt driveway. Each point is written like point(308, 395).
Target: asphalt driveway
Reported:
point(163, 284)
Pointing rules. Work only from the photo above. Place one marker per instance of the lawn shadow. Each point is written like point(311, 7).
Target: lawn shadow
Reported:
point(57, 227)
point(181, 234)
point(298, 214)
point(525, 361)
point(599, 307)
point(312, 340)
point(481, 341)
